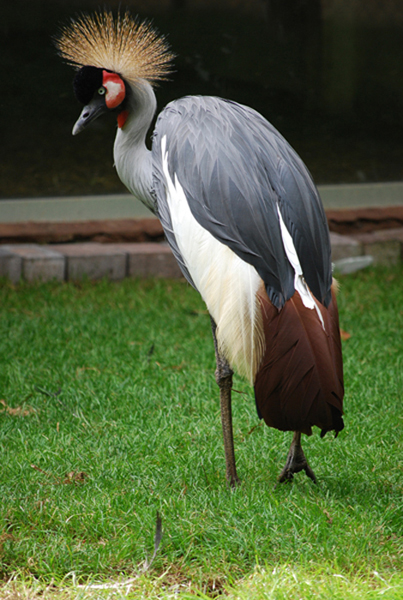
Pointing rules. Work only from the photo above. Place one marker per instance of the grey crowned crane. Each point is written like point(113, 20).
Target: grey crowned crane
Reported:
point(244, 221)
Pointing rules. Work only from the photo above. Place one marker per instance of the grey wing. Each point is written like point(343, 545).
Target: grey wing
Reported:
point(237, 171)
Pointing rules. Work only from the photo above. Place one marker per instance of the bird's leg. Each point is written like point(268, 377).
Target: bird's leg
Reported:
point(223, 376)
point(296, 461)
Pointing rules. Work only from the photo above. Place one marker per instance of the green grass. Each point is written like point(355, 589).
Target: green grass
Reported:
point(110, 414)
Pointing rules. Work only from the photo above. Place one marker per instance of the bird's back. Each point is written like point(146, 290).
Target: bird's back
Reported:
point(237, 170)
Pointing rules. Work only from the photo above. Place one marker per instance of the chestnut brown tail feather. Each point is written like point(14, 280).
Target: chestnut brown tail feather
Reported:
point(300, 381)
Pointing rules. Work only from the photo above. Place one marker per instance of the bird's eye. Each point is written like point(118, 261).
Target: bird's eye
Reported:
point(101, 91)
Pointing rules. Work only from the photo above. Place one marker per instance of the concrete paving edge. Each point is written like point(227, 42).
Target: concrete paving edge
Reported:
point(93, 260)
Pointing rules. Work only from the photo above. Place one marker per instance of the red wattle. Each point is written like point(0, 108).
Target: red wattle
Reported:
point(122, 118)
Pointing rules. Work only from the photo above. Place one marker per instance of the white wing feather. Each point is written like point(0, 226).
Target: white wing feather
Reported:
point(227, 284)
point(299, 281)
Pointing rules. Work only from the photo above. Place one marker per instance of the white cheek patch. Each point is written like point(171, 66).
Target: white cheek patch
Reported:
point(115, 89)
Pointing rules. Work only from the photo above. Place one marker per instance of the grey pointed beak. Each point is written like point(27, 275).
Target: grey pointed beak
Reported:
point(90, 112)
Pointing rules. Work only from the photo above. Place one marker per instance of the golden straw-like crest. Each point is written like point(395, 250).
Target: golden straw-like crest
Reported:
point(123, 45)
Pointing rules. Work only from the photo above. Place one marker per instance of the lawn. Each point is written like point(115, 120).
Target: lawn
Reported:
point(109, 415)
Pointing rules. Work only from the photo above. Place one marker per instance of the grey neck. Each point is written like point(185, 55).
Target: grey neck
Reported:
point(132, 158)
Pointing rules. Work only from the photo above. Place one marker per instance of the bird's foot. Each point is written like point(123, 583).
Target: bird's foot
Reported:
point(233, 481)
point(295, 463)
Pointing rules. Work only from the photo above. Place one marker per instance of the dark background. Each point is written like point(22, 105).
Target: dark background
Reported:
point(328, 74)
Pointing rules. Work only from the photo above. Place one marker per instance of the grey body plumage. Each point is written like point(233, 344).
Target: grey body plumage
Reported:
point(236, 168)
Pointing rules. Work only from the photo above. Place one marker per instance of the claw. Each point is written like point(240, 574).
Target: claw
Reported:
point(296, 461)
